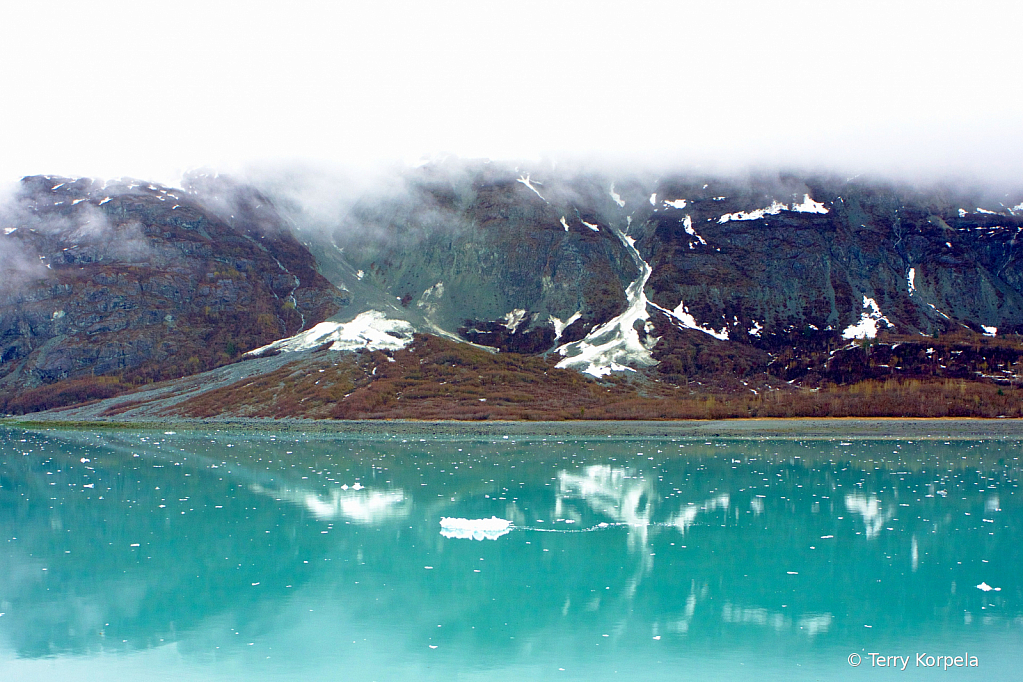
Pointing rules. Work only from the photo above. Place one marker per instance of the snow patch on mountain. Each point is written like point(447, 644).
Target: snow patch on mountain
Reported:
point(371, 330)
point(513, 319)
point(687, 223)
point(616, 197)
point(616, 344)
point(989, 331)
point(685, 319)
point(560, 327)
point(808, 205)
point(677, 203)
point(774, 209)
point(911, 281)
point(564, 224)
point(866, 328)
point(524, 179)
point(591, 226)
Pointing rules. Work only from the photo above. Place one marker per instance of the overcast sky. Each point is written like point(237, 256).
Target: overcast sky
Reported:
point(150, 89)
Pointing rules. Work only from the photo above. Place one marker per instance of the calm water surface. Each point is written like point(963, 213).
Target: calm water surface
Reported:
point(230, 556)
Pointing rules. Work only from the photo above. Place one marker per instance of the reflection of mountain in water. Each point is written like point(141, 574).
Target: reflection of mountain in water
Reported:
point(617, 493)
point(360, 506)
point(870, 510)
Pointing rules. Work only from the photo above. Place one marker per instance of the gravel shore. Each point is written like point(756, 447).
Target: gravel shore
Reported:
point(937, 429)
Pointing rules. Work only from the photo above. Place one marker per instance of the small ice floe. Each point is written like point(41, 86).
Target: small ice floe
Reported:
point(474, 529)
point(989, 331)
point(984, 587)
point(866, 328)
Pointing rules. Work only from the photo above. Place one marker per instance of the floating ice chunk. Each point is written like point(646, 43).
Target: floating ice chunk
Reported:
point(866, 328)
point(809, 206)
point(564, 224)
point(371, 330)
point(559, 326)
point(989, 331)
point(616, 197)
point(755, 330)
point(984, 587)
point(513, 319)
point(474, 529)
point(911, 281)
point(962, 213)
point(677, 203)
point(524, 179)
point(687, 223)
point(774, 209)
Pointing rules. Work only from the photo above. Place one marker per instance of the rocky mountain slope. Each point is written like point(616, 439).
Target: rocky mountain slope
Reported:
point(108, 286)
point(658, 291)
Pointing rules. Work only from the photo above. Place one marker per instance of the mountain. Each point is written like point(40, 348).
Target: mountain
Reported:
point(108, 286)
point(655, 293)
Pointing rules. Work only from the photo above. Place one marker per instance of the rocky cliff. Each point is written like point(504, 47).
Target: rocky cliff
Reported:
point(682, 286)
point(117, 284)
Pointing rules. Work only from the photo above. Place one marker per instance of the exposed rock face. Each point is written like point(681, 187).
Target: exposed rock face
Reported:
point(704, 284)
point(144, 282)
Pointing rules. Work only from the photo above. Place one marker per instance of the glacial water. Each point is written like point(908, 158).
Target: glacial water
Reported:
point(256, 556)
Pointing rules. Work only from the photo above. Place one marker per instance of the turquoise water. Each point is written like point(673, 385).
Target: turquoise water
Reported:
point(230, 556)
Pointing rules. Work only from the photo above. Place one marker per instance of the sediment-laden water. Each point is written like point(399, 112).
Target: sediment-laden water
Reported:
point(228, 555)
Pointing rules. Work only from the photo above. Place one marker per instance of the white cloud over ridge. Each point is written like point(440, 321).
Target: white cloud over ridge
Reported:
point(146, 89)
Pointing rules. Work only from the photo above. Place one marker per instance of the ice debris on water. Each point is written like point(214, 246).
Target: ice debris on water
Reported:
point(474, 529)
point(984, 587)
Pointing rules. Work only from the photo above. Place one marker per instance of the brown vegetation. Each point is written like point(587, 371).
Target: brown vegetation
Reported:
point(439, 379)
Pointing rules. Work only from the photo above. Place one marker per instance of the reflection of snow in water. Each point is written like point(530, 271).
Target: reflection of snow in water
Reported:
point(870, 510)
point(617, 493)
point(811, 624)
point(687, 516)
point(474, 529)
point(360, 506)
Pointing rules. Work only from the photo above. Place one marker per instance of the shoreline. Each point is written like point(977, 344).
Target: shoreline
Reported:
point(756, 428)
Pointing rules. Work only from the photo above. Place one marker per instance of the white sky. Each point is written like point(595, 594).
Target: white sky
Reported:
point(151, 89)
